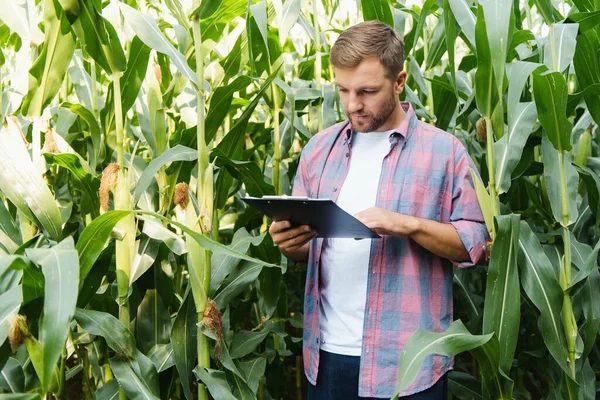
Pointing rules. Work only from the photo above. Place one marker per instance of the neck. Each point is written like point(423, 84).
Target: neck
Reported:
point(394, 119)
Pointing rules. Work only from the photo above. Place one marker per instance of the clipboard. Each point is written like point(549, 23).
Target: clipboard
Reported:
point(324, 215)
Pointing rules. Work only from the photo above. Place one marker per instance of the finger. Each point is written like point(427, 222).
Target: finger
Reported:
point(298, 241)
point(281, 237)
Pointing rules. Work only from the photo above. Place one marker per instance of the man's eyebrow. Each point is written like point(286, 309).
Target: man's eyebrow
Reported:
point(376, 87)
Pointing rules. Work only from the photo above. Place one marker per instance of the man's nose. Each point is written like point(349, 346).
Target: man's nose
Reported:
point(354, 103)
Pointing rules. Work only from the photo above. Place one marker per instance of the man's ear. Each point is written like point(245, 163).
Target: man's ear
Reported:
point(400, 82)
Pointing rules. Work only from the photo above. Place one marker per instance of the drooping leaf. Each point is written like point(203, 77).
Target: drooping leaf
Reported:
point(559, 49)
point(497, 20)
point(60, 267)
point(550, 90)
point(161, 356)
point(83, 181)
point(23, 185)
point(508, 150)
point(220, 104)
point(420, 344)
point(130, 381)
point(16, 14)
point(245, 342)
point(501, 314)
point(148, 31)
point(111, 329)
point(216, 382)
point(99, 39)
point(94, 129)
point(587, 67)
point(542, 287)
point(289, 15)
point(49, 69)
point(546, 8)
point(465, 18)
point(177, 153)
point(93, 239)
point(10, 302)
point(243, 275)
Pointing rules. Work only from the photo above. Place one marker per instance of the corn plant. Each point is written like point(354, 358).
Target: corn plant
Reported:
point(130, 267)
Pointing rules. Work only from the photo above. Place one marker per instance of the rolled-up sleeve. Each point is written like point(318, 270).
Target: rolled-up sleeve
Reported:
point(466, 215)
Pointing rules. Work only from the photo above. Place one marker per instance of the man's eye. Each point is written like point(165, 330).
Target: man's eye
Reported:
point(343, 90)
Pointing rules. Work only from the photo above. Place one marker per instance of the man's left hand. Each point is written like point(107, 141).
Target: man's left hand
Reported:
point(386, 222)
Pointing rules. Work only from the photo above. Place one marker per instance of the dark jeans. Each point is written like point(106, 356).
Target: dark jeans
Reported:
point(338, 379)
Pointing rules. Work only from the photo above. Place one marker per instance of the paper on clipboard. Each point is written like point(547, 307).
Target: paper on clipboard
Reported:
point(324, 215)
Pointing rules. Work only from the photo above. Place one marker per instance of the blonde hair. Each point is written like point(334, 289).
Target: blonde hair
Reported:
point(370, 38)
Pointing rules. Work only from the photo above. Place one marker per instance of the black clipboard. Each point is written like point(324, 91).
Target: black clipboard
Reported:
point(324, 215)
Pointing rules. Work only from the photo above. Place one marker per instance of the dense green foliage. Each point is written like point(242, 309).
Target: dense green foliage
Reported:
point(130, 267)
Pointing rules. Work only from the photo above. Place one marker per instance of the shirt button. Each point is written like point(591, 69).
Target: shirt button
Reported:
point(367, 351)
point(347, 154)
point(317, 340)
point(335, 188)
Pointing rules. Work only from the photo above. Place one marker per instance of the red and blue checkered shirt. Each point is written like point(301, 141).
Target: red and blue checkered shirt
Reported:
point(425, 174)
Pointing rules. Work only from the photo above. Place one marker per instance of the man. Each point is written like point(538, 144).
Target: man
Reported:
point(409, 182)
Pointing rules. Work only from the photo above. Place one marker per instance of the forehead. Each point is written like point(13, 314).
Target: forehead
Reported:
point(369, 72)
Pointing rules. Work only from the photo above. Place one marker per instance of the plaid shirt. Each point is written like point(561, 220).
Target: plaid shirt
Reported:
point(425, 174)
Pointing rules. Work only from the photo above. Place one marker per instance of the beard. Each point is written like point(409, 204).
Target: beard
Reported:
point(372, 122)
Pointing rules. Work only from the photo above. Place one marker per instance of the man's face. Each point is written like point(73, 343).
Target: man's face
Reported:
point(369, 96)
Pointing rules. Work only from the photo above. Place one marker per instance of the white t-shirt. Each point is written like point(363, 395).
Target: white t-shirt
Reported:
point(345, 262)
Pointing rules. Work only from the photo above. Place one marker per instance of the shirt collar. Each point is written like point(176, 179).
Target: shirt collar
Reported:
point(402, 129)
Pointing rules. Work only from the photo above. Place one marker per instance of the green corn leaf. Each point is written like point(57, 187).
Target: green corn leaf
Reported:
point(8, 225)
point(587, 67)
point(49, 69)
point(220, 104)
point(485, 201)
point(216, 382)
point(289, 15)
point(130, 381)
point(501, 314)
point(485, 93)
point(60, 267)
point(586, 20)
point(240, 278)
point(508, 150)
point(421, 344)
point(177, 153)
point(497, 14)
point(131, 82)
point(546, 8)
point(23, 184)
point(111, 329)
point(152, 323)
point(543, 289)
point(16, 14)
point(99, 39)
point(222, 265)
point(247, 172)
point(93, 240)
point(10, 302)
point(206, 9)
point(109, 391)
point(465, 19)
point(550, 90)
point(559, 52)
point(83, 181)
point(161, 356)
point(245, 342)
point(148, 31)
point(94, 129)
point(377, 10)
point(553, 185)
point(184, 339)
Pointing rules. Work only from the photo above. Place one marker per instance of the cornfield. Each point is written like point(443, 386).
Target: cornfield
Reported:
point(131, 268)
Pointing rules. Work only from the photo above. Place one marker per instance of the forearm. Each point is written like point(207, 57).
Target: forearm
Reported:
point(439, 238)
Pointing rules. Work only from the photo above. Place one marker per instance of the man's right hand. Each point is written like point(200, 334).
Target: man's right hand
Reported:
point(292, 241)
